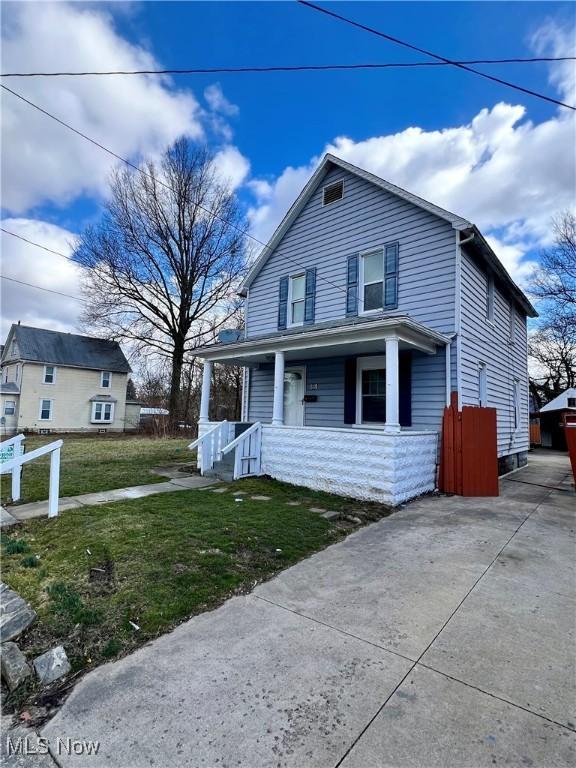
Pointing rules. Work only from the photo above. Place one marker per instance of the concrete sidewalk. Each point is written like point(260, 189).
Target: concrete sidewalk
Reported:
point(440, 636)
point(40, 508)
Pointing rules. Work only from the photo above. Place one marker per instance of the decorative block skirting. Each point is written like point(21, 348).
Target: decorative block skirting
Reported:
point(371, 466)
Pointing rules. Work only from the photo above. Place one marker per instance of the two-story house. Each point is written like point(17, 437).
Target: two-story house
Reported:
point(63, 382)
point(368, 307)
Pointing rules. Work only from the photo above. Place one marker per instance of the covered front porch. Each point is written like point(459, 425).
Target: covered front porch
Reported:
point(353, 409)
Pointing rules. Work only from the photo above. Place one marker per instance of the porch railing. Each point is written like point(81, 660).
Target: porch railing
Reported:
point(210, 446)
point(247, 448)
point(14, 465)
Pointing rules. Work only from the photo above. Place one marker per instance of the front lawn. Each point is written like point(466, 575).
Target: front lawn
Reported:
point(92, 463)
point(106, 579)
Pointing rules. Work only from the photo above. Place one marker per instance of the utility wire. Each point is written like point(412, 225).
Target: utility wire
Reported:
point(442, 59)
point(230, 224)
point(39, 245)
point(39, 287)
point(288, 68)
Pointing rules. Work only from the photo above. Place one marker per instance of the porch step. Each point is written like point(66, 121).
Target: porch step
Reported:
point(223, 469)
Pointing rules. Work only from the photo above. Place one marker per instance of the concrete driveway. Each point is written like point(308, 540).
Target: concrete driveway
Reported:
point(441, 636)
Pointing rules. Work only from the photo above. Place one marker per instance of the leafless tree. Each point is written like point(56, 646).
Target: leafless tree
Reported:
point(555, 280)
point(552, 349)
point(164, 261)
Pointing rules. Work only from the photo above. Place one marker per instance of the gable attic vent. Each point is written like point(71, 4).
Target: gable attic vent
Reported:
point(333, 192)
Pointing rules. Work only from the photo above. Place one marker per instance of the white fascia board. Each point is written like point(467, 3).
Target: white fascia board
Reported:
point(403, 327)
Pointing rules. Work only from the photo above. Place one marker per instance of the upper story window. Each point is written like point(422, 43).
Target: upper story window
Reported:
point(333, 192)
point(49, 374)
point(296, 299)
point(517, 411)
point(489, 298)
point(105, 379)
point(379, 279)
point(102, 412)
point(572, 402)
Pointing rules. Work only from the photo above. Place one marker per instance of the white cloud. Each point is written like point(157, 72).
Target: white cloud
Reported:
point(26, 263)
point(231, 166)
point(218, 102)
point(136, 115)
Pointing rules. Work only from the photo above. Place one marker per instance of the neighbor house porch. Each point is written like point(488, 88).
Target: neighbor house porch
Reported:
point(354, 408)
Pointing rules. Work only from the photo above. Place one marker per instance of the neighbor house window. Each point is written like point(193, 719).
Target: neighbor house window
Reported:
point(45, 410)
point(482, 385)
point(516, 404)
point(106, 379)
point(296, 299)
point(489, 298)
point(49, 374)
point(379, 278)
point(572, 402)
point(9, 407)
point(102, 412)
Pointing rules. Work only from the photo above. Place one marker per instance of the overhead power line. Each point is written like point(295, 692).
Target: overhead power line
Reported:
point(40, 288)
point(443, 59)
point(289, 68)
point(39, 245)
point(230, 224)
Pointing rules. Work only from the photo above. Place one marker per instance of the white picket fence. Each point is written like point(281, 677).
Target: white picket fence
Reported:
point(12, 459)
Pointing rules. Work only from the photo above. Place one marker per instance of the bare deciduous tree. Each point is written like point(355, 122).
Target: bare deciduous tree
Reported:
point(555, 280)
point(163, 262)
point(552, 349)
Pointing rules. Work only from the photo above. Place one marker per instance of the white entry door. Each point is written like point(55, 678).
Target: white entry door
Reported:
point(294, 397)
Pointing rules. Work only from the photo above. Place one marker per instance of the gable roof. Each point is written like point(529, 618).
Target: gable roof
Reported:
point(39, 345)
point(457, 222)
point(559, 403)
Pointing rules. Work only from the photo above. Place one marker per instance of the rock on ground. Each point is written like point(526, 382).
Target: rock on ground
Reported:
point(16, 614)
point(13, 664)
point(52, 665)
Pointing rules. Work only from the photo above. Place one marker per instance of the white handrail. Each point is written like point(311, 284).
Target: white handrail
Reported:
point(14, 465)
point(12, 441)
point(241, 436)
point(210, 445)
point(198, 440)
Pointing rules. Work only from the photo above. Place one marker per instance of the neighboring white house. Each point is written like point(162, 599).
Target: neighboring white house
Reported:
point(366, 310)
point(63, 382)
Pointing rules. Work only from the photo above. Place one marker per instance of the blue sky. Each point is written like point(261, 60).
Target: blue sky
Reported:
point(499, 157)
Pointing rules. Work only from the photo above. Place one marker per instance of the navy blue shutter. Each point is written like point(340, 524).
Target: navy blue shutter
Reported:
point(283, 303)
point(352, 286)
point(405, 387)
point(310, 296)
point(350, 390)
point(391, 276)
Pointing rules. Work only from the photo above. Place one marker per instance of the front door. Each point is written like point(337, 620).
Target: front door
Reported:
point(294, 397)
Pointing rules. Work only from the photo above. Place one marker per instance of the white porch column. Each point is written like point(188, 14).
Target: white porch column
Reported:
point(205, 397)
point(278, 410)
point(392, 386)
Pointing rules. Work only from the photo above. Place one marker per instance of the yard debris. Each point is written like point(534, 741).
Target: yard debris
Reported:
point(88, 551)
point(136, 627)
point(14, 667)
point(238, 499)
point(16, 614)
point(52, 665)
point(278, 550)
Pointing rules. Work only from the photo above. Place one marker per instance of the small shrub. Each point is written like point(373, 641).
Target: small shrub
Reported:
point(112, 648)
point(30, 562)
point(17, 547)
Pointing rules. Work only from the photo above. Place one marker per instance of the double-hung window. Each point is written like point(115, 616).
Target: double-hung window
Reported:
point(102, 413)
point(105, 379)
point(371, 390)
point(9, 407)
point(49, 374)
point(296, 299)
point(489, 298)
point(516, 404)
point(482, 385)
point(45, 410)
point(379, 279)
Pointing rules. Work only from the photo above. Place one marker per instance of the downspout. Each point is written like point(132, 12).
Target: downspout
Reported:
point(458, 312)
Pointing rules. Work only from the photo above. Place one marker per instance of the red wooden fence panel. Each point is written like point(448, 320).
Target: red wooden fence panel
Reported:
point(469, 458)
point(570, 431)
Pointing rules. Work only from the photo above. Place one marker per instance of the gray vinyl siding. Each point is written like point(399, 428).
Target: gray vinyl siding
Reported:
point(489, 343)
point(366, 217)
point(428, 391)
